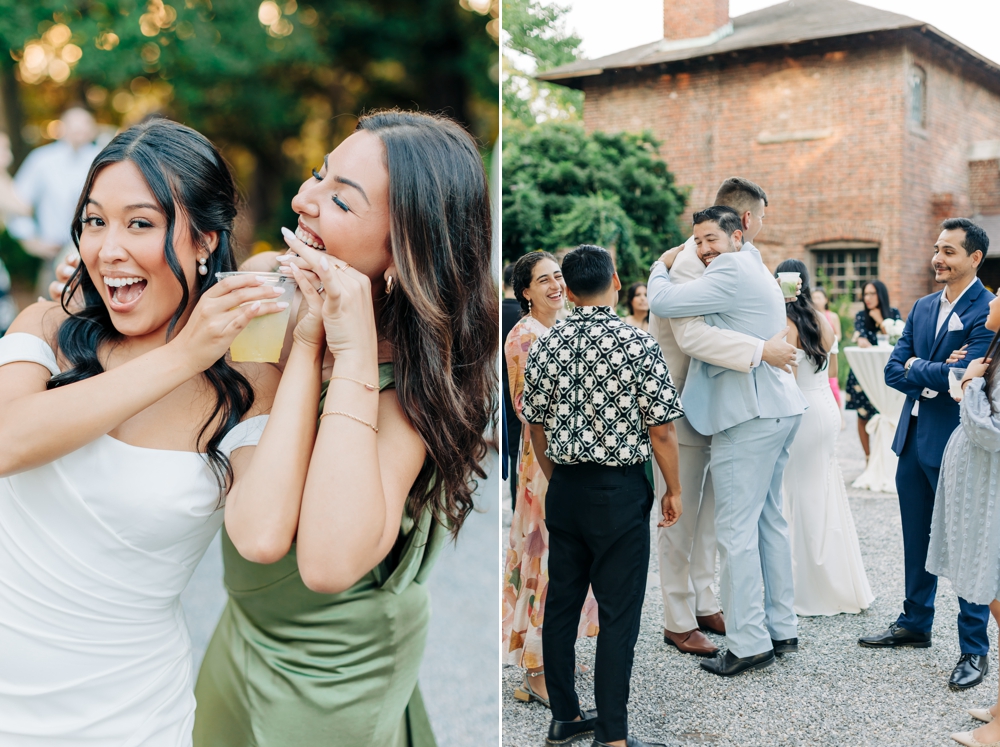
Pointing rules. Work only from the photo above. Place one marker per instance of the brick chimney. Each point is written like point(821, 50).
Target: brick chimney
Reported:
point(693, 19)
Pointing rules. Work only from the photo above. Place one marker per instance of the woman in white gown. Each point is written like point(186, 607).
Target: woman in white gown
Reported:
point(826, 558)
point(119, 430)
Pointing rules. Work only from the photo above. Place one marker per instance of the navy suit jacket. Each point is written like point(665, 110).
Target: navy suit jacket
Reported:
point(938, 415)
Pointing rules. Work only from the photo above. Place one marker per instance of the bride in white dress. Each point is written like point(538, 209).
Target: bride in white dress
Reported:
point(117, 447)
point(826, 558)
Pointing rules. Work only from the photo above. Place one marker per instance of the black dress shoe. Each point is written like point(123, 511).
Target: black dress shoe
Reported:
point(969, 671)
point(896, 636)
point(787, 646)
point(728, 664)
point(564, 732)
point(630, 741)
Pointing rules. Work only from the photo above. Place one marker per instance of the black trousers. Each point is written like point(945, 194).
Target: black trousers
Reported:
point(598, 522)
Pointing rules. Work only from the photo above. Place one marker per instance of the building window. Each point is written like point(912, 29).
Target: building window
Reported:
point(918, 97)
point(847, 268)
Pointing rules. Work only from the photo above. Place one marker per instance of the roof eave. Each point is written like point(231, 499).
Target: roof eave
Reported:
point(570, 78)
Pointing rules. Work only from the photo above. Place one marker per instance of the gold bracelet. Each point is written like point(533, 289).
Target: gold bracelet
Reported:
point(365, 384)
point(348, 415)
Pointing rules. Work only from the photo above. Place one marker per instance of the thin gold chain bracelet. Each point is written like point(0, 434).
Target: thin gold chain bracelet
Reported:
point(365, 384)
point(348, 415)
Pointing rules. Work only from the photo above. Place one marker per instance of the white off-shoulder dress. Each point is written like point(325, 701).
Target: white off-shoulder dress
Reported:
point(827, 567)
point(95, 549)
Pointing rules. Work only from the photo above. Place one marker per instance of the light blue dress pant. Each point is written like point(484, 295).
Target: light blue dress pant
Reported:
point(748, 461)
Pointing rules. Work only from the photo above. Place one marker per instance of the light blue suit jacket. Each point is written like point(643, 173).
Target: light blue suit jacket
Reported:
point(736, 292)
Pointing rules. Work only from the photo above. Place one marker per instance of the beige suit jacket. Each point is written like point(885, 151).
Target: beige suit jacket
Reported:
point(690, 337)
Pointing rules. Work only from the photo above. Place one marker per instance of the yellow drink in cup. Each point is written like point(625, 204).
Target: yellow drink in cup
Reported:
point(261, 340)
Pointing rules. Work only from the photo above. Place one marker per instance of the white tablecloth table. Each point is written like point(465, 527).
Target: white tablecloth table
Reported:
point(868, 365)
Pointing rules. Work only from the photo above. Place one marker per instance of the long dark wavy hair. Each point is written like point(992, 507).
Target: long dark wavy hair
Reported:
point(804, 316)
point(632, 290)
point(442, 318)
point(883, 304)
point(186, 174)
point(521, 273)
point(993, 355)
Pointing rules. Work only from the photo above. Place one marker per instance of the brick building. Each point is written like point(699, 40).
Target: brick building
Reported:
point(866, 128)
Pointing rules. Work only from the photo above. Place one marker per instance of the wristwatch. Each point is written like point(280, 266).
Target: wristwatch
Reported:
point(906, 367)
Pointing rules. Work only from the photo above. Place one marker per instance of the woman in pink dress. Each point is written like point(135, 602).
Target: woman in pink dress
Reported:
point(539, 287)
point(821, 303)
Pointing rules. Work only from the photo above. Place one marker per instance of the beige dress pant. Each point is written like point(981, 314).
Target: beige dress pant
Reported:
point(687, 549)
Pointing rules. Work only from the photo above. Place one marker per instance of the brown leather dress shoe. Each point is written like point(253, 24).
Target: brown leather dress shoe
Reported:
point(713, 623)
point(692, 642)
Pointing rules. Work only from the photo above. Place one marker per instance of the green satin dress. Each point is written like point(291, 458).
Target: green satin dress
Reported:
point(288, 667)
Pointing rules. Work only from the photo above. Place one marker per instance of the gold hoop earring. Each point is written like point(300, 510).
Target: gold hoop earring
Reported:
point(388, 286)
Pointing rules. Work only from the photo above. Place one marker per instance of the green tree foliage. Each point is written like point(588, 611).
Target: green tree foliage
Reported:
point(563, 187)
point(535, 41)
point(274, 84)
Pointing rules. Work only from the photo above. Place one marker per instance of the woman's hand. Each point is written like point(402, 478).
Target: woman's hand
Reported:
point(863, 342)
point(347, 309)
point(219, 316)
point(876, 315)
point(976, 369)
point(64, 271)
point(957, 355)
point(309, 323)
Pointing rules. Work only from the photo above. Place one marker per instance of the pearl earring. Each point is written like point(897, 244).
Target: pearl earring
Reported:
point(202, 270)
point(529, 305)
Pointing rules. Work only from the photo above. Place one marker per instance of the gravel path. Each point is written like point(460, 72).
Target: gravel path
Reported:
point(833, 692)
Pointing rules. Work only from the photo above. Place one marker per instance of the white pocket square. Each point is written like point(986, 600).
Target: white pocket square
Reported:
point(954, 323)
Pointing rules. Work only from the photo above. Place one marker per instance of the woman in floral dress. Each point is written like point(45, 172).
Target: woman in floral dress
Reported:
point(539, 288)
point(867, 324)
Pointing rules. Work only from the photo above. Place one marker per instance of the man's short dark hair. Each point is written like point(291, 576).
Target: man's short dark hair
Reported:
point(725, 217)
point(508, 276)
point(975, 237)
point(588, 270)
point(739, 194)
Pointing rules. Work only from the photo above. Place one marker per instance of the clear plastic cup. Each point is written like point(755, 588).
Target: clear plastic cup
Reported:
point(955, 383)
point(882, 340)
point(261, 340)
point(789, 282)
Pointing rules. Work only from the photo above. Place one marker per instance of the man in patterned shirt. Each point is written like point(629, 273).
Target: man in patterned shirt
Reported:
point(599, 403)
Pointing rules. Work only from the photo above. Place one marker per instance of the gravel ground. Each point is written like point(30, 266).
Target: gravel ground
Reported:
point(833, 692)
point(461, 669)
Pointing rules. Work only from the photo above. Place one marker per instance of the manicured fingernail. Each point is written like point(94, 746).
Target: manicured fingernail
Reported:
point(287, 257)
point(323, 263)
point(278, 291)
point(282, 304)
point(60, 286)
point(261, 279)
point(255, 306)
point(287, 234)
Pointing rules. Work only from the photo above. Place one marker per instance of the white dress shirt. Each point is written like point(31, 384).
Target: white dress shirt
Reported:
point(944, 311)
point(50, 180)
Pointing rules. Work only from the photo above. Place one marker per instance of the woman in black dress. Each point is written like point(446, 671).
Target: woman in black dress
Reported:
point(867, 323)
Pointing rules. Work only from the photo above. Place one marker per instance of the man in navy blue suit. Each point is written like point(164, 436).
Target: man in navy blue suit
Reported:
point(918, 367)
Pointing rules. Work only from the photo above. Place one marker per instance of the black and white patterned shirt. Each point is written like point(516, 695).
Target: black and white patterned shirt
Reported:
point(597, 384)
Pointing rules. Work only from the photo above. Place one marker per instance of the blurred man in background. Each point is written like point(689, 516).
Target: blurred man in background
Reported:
point(50, 181)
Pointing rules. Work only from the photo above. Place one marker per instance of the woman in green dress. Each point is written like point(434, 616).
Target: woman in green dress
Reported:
point(395, 346)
